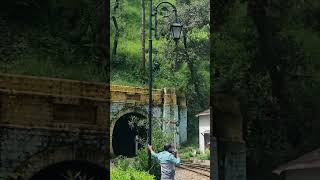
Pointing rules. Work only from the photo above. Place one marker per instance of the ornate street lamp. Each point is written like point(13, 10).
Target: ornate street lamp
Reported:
point(176, 29)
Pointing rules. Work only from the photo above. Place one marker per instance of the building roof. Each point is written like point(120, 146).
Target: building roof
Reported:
point(206, 131)
point(307, 161)
point(204, 113)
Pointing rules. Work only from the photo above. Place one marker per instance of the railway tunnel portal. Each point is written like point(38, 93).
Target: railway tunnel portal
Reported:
point(46, 123)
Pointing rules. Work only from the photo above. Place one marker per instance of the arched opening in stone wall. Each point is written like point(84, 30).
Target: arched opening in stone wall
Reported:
point(126, 138)
point(72, 170)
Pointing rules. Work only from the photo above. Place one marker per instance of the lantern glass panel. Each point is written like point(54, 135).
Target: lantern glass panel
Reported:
point(176, 29)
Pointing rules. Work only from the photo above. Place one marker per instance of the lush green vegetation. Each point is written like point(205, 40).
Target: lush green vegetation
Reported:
point(184, 67)
point(263, 51)
point(129, 174)
point(267, 53)
point(52, 38)
point(66, 39)
point(192, 153)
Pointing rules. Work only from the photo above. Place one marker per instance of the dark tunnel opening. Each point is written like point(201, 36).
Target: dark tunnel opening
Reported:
point(124, 136)
point(64, 170)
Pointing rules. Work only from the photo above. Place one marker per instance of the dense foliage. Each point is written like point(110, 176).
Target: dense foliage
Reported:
point(263, 50)
point(193, 153)
point(54, 38)
point(184, 67)
point(66, 39)
point(129, 174)
point(266, 52)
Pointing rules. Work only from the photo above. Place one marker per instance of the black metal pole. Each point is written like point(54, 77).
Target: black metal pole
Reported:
point(150, 83)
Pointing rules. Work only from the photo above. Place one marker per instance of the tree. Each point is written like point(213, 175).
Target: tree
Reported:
point(143, 35)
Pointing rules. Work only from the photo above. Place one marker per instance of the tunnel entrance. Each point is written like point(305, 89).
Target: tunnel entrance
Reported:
point(68, 169)
point(124, 136)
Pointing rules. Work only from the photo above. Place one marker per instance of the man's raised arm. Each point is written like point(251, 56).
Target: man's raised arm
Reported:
point(152, 152)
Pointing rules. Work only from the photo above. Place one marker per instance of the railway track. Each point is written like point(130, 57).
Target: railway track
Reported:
point(201, 169)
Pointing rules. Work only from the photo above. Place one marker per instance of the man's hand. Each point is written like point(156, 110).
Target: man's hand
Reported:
point(175, 152)
point(150, 148)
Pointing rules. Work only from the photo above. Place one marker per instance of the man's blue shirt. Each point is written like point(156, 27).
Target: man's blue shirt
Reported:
point(165, 157)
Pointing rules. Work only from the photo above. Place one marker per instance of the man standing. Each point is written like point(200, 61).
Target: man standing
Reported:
point(168, 160)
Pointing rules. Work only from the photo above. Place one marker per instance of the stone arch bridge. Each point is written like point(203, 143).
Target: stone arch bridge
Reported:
point(47, 124)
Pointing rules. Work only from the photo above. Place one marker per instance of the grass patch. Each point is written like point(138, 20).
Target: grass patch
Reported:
point(46, 67)
point(192, 153)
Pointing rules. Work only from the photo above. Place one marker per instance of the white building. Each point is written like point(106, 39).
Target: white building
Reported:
point(204, 129)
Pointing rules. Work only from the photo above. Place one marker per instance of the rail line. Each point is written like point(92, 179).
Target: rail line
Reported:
point(201, 169)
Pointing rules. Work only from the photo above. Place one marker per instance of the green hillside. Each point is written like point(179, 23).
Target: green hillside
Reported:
point(184, 67)
point(129, 50)
point(52, 38)
point(65, 39)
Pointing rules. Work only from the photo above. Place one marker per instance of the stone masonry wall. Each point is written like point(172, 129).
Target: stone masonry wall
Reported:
point(45, 121)
point(26, 151)
point(41, 118)
point(167, 105)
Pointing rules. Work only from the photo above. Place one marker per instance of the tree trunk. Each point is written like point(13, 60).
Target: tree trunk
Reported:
point(193, 74)
point(116, 38)
point(106, 40)
point(143, 35)
point(117, 33)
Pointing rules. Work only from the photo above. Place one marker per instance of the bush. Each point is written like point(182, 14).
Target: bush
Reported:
point(205, 155)
point(159, 139)
point(129, 174)
point(122, 162)
point(191, 153)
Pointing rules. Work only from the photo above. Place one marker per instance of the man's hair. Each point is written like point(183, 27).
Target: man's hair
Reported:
point(167, 147)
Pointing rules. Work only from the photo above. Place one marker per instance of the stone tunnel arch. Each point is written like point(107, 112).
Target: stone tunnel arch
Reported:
point(61, 170)
point(124, 136)
point(67, 156)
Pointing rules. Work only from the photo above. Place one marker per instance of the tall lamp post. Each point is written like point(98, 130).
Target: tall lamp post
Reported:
point(175, 29)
